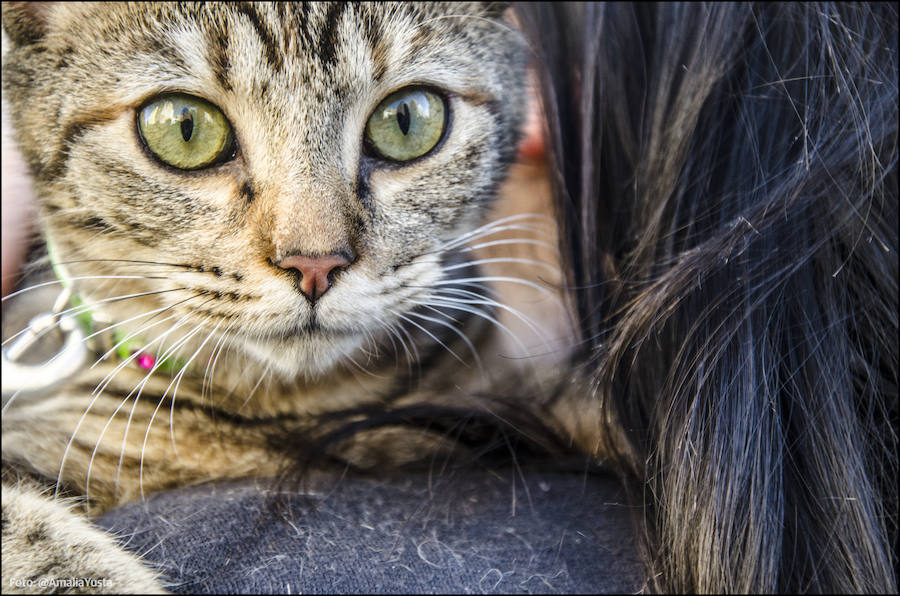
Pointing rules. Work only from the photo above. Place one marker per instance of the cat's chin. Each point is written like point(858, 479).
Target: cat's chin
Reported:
point(307, 355)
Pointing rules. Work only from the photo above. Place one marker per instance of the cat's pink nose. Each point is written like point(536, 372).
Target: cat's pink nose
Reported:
point(315, 272)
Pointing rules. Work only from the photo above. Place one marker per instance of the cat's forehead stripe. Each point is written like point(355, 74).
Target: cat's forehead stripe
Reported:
point(328, 39)
point(283, 33)
point(266, 37)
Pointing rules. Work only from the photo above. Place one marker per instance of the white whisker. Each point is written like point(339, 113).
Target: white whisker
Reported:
point(170, 351)
point(209, 371)
point(126, 361)
point(110, 419)
point(475, 298)
point(537, 230)
point(139, 332)
point(361, 368)
point(462, 238)
point(412, 344)
point(69, 279)
point(128, 320)
point(83, 308)
point(458, 305)
point(509, 241)
point(96, 396)
point(262, 376)
point(515, 280)
point(390, 337)
point(177, 382)
point(87, 483)
point(543, 264)
point(139, 389)
point(495, 226)
point(53, 358)
point(431, 335)
point(462, 335)
point(394, 333)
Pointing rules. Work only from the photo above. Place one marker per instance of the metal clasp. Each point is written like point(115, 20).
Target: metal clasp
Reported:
point(19, 378)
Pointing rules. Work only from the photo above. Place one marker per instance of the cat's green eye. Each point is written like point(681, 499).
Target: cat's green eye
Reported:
point(407, 124)
point(185, 132)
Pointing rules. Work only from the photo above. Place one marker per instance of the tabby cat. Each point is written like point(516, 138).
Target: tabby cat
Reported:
point(263, 213)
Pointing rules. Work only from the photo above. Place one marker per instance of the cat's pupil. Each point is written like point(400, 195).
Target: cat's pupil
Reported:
point(187, 125)
point(403, 117)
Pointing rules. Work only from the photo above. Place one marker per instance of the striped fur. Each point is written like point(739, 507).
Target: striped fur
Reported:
point(186, 259)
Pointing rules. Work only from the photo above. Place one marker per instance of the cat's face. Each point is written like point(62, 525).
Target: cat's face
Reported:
point(284, 223)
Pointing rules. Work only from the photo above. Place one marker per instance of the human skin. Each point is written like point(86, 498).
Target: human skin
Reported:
point(18, 209)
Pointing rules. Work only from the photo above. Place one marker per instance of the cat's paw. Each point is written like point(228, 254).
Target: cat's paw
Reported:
point(47, 548)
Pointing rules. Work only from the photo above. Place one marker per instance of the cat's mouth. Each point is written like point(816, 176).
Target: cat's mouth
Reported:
point(313, 328)
point(307, 348)
point(310, 329)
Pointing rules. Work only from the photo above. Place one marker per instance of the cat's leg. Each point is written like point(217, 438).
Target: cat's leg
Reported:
point(49, 548)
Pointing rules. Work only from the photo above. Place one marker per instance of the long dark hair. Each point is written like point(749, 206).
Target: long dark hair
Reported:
point(726, 185)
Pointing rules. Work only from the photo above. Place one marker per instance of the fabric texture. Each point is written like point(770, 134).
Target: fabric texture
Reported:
point(485, 531)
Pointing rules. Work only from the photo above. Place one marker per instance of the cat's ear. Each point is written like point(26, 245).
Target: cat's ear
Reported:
point(26, 22)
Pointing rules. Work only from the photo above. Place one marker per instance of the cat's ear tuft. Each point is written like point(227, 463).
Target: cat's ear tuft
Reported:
point(26, 23)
